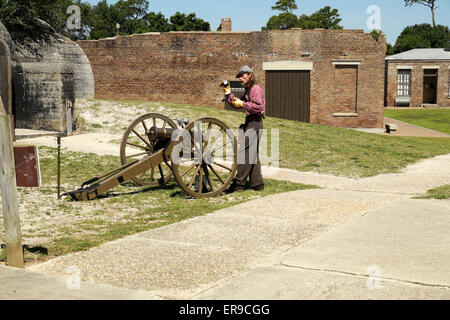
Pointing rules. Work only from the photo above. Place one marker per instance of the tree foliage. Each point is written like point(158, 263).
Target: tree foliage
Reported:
point(156, 22)
point(287, 6)
point(421, 36)
point(183, 22)
point(285, 20)
point(428, 3)
point(326, 18)
point(17, 15)
point(98, 21)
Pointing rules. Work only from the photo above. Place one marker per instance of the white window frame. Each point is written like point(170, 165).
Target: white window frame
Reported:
point(404, 83)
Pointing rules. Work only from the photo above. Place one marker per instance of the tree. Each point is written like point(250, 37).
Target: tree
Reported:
point(19, 17)
point(130, 15)
point(390, 49)
point(53, 12)
point(102, 20)
point(428, 3)
point(287, 6)
point(326, 18)
point(156, 22)
point(182, 22)
point(422, 36)
point(285, 20)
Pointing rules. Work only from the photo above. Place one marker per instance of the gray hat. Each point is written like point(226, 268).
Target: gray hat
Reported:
point(243, 70)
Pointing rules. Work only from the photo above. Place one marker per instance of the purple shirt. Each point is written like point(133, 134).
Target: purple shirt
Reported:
point(254, 101)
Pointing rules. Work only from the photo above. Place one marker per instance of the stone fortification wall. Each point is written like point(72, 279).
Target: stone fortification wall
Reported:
point(187, 67)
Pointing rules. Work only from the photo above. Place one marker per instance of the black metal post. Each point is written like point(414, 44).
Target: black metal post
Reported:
point(58, 139)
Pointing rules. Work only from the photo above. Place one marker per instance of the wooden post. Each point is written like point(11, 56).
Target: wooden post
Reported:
point(14, 251)
point(5, 77)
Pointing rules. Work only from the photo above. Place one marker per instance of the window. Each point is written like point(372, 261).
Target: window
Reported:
point(430, 72)
point(404, 83)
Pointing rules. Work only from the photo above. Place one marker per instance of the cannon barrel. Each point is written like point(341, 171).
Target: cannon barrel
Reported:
point(156, 133)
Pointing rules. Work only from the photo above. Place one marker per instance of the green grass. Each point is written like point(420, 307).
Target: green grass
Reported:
point(442, 192)
point(322, 149)
point(436, 119)
point(124, 210)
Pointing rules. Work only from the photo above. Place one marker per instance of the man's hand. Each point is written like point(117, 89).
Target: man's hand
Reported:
point(226, 88)
point(238, 103)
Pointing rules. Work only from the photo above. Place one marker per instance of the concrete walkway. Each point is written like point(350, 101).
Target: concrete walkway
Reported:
point(354, 239)
point(410, 130)
point(210, 256)
point(19, 284)
point(399, 251)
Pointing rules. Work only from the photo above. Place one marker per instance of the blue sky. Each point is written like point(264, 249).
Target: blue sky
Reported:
point(251, 15)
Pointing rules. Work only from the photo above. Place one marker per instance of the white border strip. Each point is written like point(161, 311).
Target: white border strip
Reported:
point(38, 169)
point(346, 62)
point(288, 65)
point(431, 67)
point(402, 67)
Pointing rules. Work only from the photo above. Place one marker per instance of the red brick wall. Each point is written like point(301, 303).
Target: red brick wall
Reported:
point(187, 67)
point(345, 88)
point(417, 71)
point(225, 24)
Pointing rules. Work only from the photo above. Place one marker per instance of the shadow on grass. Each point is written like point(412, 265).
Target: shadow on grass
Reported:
point(39, 250)
point(144, 190)
point(35, 249)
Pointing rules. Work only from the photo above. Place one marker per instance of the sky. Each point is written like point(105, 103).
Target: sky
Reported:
point(251, 15)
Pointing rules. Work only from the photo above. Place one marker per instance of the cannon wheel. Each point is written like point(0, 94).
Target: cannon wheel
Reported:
point(137, 144)
point(217, 168)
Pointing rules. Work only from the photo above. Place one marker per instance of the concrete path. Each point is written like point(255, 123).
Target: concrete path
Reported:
point(183, 259)
point(354, 239)
point(19, 284)
point(399, 251)
point(410, 130)
point(193, 258)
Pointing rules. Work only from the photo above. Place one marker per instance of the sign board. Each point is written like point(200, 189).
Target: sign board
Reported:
point(28, 172)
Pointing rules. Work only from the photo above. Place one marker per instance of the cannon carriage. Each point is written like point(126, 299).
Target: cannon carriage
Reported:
point(200, 155)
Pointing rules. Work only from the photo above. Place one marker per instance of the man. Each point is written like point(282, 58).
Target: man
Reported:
point(253, 101)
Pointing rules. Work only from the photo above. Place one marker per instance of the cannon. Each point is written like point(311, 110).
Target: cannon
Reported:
point(200, 155)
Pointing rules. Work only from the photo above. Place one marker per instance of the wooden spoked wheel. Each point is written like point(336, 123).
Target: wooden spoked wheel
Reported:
point(136, 144)
point(206, 158)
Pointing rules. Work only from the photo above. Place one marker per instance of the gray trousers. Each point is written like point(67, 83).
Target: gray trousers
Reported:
point(249, 165)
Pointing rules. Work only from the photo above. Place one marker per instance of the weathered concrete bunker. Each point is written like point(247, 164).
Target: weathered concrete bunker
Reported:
point(47, 78)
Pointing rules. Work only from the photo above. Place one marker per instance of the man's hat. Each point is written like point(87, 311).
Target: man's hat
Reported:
point(243, 70)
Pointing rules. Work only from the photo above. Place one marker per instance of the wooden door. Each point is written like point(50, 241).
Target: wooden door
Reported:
point(288, 94)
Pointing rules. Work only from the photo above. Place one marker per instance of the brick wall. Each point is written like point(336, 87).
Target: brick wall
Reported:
point(225, 24)
point(345, 88)
point(187, 67)
point(417, 81)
